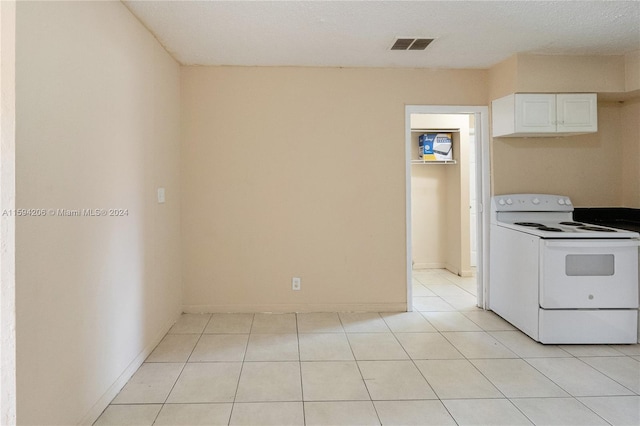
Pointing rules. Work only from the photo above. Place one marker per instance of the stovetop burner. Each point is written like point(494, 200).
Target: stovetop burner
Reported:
point(577, 225)
point(549, 229)
point(595, 229)
point(549, 217)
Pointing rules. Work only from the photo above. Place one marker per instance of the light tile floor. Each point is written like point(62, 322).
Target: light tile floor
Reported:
point(447, 363)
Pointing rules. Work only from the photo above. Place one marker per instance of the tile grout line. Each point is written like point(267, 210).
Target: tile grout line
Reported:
point(606, 375)
point(469, 360)
point(570, 355)
point(396, 335)
point(461, 288)
point(244, 356)
point(375, 410)
point(182, 369)
point(360, 371)
point(421, 373)
point(557, 384)
point(473, 365)
point(449, 282)
point(476, 368)
point(414, 362)
point(304, 416)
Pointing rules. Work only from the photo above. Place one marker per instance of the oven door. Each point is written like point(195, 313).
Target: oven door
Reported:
point(588, 274)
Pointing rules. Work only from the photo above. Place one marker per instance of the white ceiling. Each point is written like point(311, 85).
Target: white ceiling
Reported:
point(469, 34)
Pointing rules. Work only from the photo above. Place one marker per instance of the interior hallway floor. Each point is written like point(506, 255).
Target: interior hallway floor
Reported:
point(447, 363)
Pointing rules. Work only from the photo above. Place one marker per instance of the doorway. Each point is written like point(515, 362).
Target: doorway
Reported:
point(478, 116)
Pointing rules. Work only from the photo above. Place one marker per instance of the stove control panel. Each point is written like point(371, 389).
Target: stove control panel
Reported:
point(531, 203)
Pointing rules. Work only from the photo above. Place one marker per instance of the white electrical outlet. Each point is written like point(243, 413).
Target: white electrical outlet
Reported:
point(161, 195)
point(295, 283)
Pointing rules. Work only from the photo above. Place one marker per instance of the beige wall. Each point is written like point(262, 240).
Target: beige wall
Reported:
point(550, 73)
point(632, 71)
point(458, 205)
point(440, 200)
point(301, 172)
point(630, 137)
point(503, 78)
point(286, 172)
point(597, 169)
point(524, 73)
point(585, 167)
point(97, 127)
point(429, 189)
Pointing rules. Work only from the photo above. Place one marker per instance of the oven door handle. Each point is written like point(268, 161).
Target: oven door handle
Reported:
point(593, 243)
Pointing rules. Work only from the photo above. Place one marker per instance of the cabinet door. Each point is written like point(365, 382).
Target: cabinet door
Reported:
point(577, 112)
point(535, 113)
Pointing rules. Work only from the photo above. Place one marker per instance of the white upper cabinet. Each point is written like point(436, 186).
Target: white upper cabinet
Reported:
point(577, 113)
point(544, 114)
point(534, 113)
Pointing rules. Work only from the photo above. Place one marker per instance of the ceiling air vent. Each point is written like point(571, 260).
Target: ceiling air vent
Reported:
point(411, 43)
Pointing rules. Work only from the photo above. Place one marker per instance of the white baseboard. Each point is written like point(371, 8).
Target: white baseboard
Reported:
point(452, 269)
point(448, 267)
point(282, 308)
point(428, 266)
point(465, 274)
point(94, 412)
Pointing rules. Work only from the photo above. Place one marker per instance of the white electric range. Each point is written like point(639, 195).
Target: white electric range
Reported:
point(561, 281)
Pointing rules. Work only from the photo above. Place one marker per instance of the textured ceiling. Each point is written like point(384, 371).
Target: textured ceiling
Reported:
point(469, 34)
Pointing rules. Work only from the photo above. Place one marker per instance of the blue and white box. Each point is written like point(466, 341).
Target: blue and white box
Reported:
point(435, 146)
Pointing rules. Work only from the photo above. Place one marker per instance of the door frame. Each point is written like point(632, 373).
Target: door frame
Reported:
point(483, 191)
point(7, 222)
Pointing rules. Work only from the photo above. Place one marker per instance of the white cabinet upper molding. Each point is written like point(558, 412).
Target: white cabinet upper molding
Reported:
point(545, 114)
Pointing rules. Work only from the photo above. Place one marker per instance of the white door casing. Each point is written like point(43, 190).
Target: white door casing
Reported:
point(483, 190)
point(473, 208)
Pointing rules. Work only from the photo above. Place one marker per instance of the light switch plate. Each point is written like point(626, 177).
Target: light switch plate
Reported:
point(160, 195)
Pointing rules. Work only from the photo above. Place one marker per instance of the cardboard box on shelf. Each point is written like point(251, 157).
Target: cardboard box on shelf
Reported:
point(435, 146)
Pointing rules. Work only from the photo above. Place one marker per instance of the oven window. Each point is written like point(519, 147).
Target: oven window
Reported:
point(589, 265)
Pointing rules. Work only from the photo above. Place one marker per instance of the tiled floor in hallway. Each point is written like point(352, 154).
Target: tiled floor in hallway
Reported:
point(447, 363)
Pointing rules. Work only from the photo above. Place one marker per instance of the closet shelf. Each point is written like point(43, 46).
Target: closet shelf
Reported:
point(433, 162)
point(435, 130)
